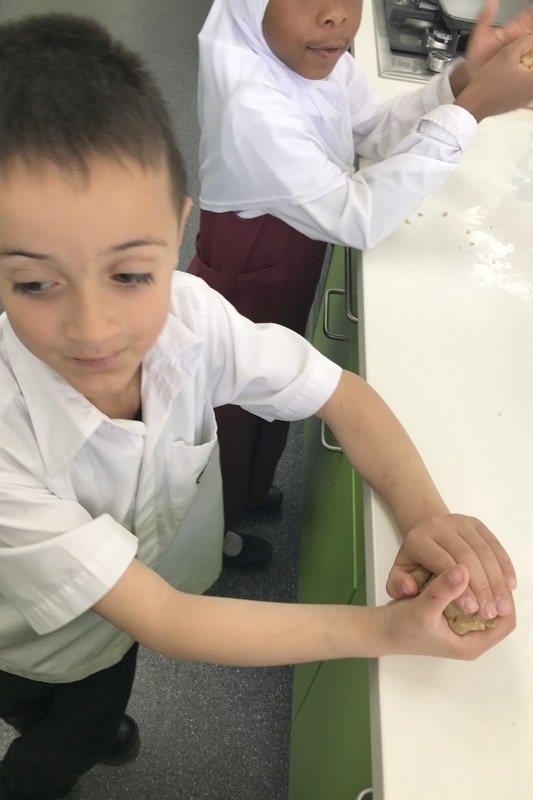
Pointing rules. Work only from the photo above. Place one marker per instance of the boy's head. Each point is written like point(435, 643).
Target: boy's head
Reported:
point(310, 36)
point(69, 92)
point(92, 205)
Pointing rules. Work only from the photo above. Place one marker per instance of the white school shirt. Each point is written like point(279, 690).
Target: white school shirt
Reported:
point(81, 494)
point(274, 142)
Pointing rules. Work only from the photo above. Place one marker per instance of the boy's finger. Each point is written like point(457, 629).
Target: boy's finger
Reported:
point(400, 584)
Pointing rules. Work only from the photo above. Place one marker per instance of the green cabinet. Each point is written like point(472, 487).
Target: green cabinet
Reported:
point(330, 740)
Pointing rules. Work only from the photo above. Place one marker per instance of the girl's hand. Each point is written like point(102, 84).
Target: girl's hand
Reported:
point(418, 626)
point(502, 84)
point(442, 542)
point(485, 40)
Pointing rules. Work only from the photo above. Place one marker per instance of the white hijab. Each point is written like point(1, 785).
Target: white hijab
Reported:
point(269, 136)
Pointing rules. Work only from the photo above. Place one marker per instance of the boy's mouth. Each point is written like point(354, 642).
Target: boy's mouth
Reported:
point(101, 362)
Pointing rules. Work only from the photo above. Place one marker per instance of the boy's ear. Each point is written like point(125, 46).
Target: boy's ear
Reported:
point(185, 211)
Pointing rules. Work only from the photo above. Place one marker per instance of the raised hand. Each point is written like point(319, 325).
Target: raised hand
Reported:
point(502, 84)
point(486, 40)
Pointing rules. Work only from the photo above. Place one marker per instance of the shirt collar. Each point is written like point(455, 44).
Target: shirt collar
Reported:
point(63, 420)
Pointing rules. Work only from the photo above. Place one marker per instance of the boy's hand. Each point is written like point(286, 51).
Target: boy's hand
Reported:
point(485, 40)
point(440, 543)
point(419, 627)
point(502, 84)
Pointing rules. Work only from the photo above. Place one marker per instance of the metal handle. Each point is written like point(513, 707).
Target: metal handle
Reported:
point(348, 281)
point(366, 794)
point(339, 337)
point(334, 448)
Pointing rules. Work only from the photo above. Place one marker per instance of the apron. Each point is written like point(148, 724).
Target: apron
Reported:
point(269, 271)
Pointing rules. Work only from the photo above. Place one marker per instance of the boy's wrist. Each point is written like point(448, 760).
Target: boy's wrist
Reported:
point(359, 632)
point(430, 511)
point(381, 637)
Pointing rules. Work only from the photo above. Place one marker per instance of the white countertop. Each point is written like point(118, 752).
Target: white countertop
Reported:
point(447, 339)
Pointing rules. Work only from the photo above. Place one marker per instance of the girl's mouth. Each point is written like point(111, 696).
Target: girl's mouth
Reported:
point(329, 54)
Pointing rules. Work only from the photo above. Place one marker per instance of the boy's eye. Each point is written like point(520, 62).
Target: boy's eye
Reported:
point(134, 278)
point(31, 287)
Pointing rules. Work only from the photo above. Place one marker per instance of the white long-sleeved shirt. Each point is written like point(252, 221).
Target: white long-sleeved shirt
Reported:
point(415, 140)
point(81, 494)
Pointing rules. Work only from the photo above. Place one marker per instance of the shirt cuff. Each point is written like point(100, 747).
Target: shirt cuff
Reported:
point(450, 124)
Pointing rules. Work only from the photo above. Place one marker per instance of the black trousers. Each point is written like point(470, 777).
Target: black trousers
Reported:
point(66, 728)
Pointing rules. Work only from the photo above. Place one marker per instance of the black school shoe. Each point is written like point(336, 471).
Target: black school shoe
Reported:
point(127, 743)
point(5, 794)
point(270, 504)
point(255, 554)
point(9, 794)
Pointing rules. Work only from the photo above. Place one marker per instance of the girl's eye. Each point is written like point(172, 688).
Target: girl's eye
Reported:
point(31, 287)
point(134, 278)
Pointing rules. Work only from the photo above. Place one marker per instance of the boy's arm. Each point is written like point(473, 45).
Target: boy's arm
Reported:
point(382, 453)
point(250, 633)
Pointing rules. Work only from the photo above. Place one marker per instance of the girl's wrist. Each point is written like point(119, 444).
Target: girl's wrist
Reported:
point(460, 77)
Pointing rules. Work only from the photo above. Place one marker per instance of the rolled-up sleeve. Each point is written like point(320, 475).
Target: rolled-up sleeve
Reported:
point(53, 576)
point(267, 369)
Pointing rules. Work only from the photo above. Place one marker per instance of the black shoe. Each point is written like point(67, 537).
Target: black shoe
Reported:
point(5, 794)
point(12, 794)
point(255, 554)
point(271, 503)
point(127, 743)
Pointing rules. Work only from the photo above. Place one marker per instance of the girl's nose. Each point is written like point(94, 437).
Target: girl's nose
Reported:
point(334, 13)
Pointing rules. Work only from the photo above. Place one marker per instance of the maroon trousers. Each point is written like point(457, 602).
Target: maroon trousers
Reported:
point(269, 272)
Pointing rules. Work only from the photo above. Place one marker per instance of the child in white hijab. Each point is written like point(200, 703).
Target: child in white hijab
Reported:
point(284, 111)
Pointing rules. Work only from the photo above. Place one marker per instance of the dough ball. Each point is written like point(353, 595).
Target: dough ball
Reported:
point(459, 621)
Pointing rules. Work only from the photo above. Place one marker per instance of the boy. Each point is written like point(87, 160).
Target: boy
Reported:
point(111, 363)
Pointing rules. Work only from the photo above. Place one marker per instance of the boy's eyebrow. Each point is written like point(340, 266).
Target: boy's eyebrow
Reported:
point(25, 253)
point(117, 248)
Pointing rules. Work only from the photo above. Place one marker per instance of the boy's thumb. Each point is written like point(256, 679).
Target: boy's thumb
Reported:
point(448, 586)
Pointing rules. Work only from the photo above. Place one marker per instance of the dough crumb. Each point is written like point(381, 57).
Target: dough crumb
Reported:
point(459, 621)
point(527, 60)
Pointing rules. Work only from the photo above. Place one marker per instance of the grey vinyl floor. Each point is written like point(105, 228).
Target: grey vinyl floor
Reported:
point(208, 732)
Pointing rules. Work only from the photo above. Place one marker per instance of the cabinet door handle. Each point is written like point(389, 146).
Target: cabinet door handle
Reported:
point(334, 448)
point(366, 794)
point(339, 337)
point(348, 282)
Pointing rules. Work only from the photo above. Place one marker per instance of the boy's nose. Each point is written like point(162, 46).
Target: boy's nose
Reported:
point(91, 323)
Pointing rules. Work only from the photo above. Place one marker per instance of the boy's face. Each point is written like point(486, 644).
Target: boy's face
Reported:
point(310, 36)
point(85, 271)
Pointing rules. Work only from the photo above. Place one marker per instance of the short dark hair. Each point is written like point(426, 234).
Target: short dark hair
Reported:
point(69, 91)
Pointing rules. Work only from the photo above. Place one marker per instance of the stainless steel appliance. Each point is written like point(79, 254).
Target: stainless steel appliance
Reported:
point(415, 38)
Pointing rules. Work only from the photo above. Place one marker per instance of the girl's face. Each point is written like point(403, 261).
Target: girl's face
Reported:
point(310, 36)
